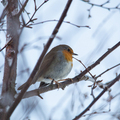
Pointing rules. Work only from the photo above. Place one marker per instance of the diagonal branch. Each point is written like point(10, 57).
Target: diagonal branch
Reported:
point(107, 70)
point(62, 85)
point(6, 45)
point(54, 20)
point(23, 7)
point(4, 13)
point(18, 99)
point(78, 78)
point(36, 9)
point(99, 60)
point(102, 5)
point(97, 98)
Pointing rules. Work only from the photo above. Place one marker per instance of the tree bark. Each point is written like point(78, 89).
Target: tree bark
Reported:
point(10, 69)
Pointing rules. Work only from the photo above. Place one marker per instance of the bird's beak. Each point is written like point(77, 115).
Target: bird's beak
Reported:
point(74, 54)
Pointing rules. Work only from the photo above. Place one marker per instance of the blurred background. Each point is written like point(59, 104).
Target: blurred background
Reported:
point(89, 44)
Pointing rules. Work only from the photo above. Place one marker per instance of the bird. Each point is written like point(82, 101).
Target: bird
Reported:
point(56, 65)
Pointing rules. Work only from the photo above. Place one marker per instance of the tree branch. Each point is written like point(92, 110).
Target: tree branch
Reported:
point(102, 5)
point(95, 100)
point(4, 13)
point(18, 99)
point(62, 85)
point(57, 21)
point(6, 45)
point(36, 9)
point(23, 7)
point(107, 70)
point(78, 78)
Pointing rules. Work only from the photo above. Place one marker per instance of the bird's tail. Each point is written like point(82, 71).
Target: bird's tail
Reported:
point(22, 86)
point(33, 82)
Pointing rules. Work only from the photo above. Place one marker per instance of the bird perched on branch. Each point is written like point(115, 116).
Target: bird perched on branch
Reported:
point(56, 65)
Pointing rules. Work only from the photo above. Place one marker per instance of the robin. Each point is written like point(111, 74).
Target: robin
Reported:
point(56, 65)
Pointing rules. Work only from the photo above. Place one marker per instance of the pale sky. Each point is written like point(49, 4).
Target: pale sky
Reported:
point(89, 44)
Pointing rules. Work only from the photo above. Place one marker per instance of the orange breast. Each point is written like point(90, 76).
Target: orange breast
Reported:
point(68, 55)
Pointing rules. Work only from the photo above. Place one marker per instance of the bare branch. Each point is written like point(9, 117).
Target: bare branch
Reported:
point(95, 100)
point(36, 9)
point(6, 45)
point(62, 85)
point(84, 66)
point(102, 5)
point(35, 4)
point(57, 21)
point(107, 70)
point(23, 7)
point(4, 13)
point(93, 113)
point(78, 78)
point(18, 99)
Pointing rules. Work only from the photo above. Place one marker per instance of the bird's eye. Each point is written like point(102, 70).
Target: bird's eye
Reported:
point(68, 50)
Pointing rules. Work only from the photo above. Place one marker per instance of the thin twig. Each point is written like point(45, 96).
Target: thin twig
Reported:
point(3, 29)
point(6, 45)
point(94, 84)
point(102, 5)
point(4, 13)
point(77, 78)
point(96, 113)
point(106, 71)
point(31, 19)
point(35, 5)
point(99, 60)
point(57, 21)
point(84, 66)
point(23, 7)
point(96, 99)
point(92, 88)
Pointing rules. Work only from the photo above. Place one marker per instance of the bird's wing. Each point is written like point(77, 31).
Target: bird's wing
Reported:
point(47, 61)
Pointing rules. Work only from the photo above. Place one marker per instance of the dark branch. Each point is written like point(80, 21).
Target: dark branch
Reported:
point(107, 71)
point(102, 5)
point(4, 13)
point(75, 79)
point(6, 45)
point(23, 7)
point(57, 21)
point(95, 100)
point(36, 9)
point(18, 99)
point(98, 61)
